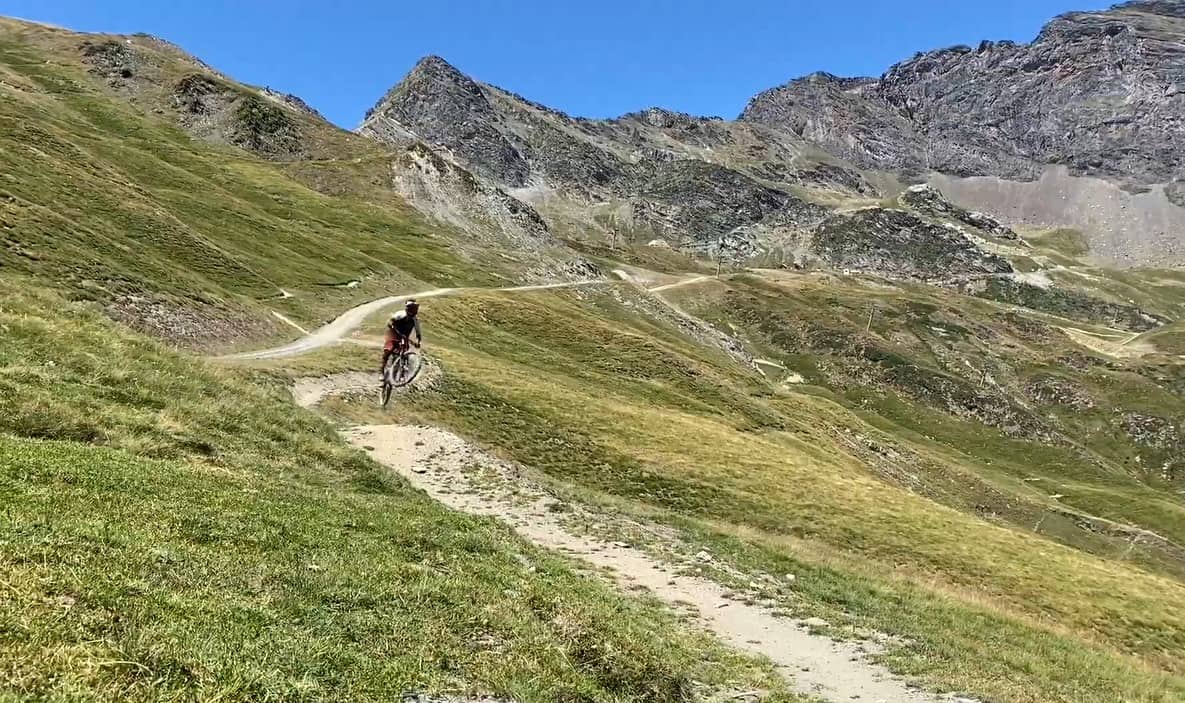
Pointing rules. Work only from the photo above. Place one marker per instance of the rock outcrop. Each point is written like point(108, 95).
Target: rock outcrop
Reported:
point(695, 202)
point(694, 182)
point(218, 111)
point(1064, 303)
point(450, 194)
point(1098, 92)
point(442, 106)
point(1096, 95)
point(899, 243)
point(928, 200)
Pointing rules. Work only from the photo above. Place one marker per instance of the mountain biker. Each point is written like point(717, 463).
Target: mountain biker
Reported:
point(399, 329)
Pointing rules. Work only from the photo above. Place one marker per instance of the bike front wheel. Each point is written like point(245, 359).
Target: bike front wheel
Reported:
point(389, 373)
point(406, 369)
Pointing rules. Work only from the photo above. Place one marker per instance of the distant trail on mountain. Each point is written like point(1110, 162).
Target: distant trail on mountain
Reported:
point(353, 318)
point(679, 284)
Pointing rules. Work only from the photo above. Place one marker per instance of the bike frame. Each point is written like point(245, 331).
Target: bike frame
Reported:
point(399, 355)
point(396, 364)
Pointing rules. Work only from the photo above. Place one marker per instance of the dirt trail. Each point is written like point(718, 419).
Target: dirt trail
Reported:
point(1122, 345)
point(468, 479)
point(350, 320)
point(353, 318)
point(679, 284)
point(310, 390)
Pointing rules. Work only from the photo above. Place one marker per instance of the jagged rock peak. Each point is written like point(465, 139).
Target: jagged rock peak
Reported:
point(1095, 91)
point(663, 118)
point(1168, 8)
point(431, 73)
point(434, 68)
point(841, 81)
point(442, 106)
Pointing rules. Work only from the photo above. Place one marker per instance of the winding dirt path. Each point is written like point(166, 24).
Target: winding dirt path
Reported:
point(353, 318)
point(350, 320)
point(465, 478)
point(468, 479)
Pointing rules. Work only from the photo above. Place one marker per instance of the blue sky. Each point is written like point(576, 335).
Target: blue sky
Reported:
point(595, 58)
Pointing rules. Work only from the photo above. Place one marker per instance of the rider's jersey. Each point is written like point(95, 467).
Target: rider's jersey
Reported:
point(402, 324)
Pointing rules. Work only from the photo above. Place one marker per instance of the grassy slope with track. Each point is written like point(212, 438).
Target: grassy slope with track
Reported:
point(140, 483)
point(177, 531)
point(126, 209)
point(956, 546)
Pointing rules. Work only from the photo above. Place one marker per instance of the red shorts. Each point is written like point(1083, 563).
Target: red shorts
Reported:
point(394, 343)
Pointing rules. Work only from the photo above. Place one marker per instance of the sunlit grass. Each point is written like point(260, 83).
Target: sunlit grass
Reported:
point(175, 530)
point(597, 401)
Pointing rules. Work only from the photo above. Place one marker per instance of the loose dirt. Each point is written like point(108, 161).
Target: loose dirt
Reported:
point(468, 479)
point(1124, 346)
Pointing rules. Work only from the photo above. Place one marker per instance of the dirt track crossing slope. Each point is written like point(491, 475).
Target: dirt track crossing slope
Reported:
point(350, 320)
point(353, 318)
point(468, 479)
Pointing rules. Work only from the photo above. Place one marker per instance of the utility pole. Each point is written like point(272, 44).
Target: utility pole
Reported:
point(719, 253)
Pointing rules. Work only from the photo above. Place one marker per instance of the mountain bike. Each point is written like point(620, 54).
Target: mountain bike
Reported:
point(401, 369)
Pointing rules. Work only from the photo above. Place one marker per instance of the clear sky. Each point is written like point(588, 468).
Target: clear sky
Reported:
point(594, 58)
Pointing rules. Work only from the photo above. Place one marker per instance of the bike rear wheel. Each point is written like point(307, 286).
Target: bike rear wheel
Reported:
point(390, 372)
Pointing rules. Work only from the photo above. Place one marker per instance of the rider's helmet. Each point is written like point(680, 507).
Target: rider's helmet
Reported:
point(412, 307)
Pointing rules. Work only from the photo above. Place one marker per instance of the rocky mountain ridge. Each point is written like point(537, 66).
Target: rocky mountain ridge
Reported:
point(703, 185)
point(1096, 93)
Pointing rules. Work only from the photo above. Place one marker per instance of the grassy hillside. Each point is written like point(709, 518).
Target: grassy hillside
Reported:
point(1007, 557)
point(103, 192)
point(176, 531)
point(993, 478)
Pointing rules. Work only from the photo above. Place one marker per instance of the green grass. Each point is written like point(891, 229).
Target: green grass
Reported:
point(661, 259)
point(1169, 339)
point(604, 401)
point(933, 350)
point(952, 472)
point(1066, 242)
point(122, 206)
point(173, 530)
